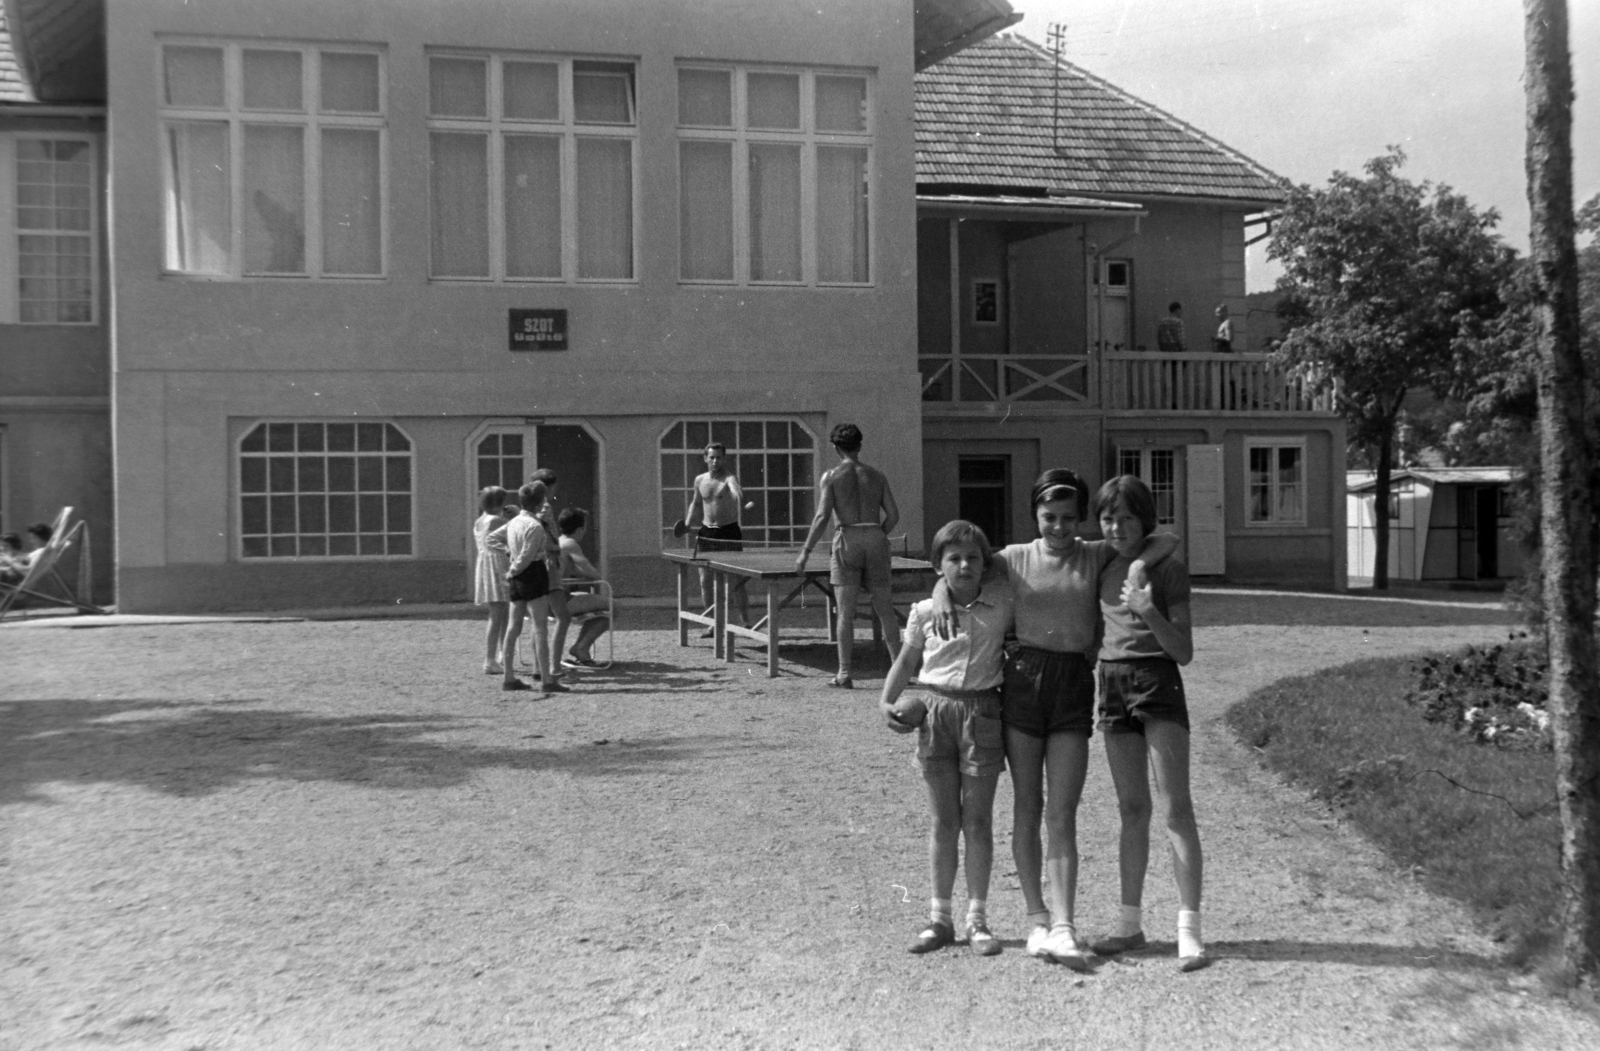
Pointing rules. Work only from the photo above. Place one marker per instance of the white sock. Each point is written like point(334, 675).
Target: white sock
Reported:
point(977, 912)
point(1056, 929)
point(939, 911)
point(1189, 943)
point(1132, 921)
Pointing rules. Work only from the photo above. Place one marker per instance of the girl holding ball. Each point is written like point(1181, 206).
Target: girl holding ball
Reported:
point(960, 746)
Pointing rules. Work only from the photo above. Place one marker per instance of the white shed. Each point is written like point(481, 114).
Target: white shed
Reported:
point(1445, 523)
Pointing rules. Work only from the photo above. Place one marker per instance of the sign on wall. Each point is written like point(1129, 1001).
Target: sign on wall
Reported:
point(538, 329)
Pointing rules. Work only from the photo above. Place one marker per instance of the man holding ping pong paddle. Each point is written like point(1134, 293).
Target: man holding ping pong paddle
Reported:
point(715, 505)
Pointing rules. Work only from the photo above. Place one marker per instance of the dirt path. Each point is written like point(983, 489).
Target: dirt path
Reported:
point(338, 835)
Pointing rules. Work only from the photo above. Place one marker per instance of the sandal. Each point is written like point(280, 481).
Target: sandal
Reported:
point(934, 936)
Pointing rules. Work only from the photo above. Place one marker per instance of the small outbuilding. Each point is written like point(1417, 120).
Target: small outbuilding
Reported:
point(1445, 523)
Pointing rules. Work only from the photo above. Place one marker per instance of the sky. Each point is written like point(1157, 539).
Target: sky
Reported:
point(1310, 87)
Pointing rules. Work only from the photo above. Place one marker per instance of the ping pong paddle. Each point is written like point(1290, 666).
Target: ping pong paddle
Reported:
point(679, 528)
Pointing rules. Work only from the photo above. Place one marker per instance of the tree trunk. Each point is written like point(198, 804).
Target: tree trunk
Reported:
point(1380, 510)
point(1566, 500)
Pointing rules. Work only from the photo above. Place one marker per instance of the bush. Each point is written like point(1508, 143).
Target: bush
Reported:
point(1495, 695)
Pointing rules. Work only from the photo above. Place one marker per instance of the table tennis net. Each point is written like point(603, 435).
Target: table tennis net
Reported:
point(690, 542)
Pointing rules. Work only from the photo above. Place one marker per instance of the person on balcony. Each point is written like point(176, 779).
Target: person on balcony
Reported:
point(1169, 330)
point(1222, 343)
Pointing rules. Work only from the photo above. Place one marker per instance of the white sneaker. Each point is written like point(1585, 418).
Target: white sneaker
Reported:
point(1062, 947)
point(1036, 942)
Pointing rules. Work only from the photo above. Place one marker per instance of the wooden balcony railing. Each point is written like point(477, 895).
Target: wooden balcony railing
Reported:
point(991, 378)
point(1248, 383)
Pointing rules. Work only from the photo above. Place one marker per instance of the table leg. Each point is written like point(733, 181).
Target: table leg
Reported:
point(683, 593)
point(833, 615)
point(719, 614)
point(772, 633)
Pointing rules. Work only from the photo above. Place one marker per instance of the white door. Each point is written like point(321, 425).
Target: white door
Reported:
point(1207, 532)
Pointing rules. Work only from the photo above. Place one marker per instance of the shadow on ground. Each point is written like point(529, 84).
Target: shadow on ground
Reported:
point(194, 748)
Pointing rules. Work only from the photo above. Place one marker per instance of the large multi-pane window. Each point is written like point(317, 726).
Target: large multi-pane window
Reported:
point(774, 461)
point(47, 229)
point(1276, 482)
point(314, 490)
point(774, 175)
point(1157, 469)
point(272, 159)
point(532, 167)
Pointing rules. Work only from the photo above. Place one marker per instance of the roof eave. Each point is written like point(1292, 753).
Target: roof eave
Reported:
point(988, 18)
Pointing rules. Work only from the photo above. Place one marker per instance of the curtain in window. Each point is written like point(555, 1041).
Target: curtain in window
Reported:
point(842, 220)
point(602, 93)
point(774, 212)
point(274, 199)
point(349, 83)
point(533, 206)
point(352, 233)
point(1289, 486)
point(605, 208)
point(460, 197)
point(199, 230)
point(456, 87)
point(705, 210)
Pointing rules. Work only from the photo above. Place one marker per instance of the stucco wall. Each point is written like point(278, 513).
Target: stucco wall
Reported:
point(200, 360)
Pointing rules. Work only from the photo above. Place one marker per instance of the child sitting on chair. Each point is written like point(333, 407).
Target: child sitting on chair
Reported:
point(577, 572)
point(960, 746)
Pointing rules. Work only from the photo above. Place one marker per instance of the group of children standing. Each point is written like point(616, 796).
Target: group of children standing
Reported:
point(1116, 610)
point(529, 569)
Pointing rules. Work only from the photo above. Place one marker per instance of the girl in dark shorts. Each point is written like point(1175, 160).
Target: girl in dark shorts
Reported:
point(1048, 700)
point(1144, 715)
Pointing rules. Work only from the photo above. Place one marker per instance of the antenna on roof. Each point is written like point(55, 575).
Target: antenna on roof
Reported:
point(1058, 40)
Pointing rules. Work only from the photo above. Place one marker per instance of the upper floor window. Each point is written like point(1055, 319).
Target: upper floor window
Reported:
point(1276, 482)
point(272, 159)
point(47, 229)
point(774, 176)
point(532, 167)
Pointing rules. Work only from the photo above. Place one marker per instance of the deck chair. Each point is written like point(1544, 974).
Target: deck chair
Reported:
point(44, 574)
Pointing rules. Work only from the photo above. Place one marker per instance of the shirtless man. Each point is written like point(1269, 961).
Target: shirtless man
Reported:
point(715, 504)
point(858, 499)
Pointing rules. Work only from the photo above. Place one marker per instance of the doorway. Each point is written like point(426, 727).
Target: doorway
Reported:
point(1478, 532)
point(506, 454)
point(983, 495)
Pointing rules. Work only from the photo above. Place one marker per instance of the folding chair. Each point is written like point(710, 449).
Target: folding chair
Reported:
point(43, 571)
point(600, 587)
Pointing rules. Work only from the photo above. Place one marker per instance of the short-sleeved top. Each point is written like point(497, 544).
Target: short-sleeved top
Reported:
point(974, 658)
point(1056, 595)
point(1127, 636)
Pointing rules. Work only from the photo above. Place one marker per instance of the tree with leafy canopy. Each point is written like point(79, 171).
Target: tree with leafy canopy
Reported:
point(1385, 282)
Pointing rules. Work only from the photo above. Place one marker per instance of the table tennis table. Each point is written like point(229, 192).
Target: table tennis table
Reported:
point(776, 569)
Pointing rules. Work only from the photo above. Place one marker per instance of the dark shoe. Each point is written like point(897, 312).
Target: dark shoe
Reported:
point(1120, 943)
point(981, 941)
point(515, 684)
point(574, 661)
point(555, 687)
point(934, 936)
point(842, 682)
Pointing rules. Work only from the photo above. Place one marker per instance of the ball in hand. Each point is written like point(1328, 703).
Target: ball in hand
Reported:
point(909, 712)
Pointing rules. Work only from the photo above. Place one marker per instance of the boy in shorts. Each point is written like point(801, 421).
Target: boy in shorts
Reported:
point(527, 547)
point(960, 745)
point(1144, 715)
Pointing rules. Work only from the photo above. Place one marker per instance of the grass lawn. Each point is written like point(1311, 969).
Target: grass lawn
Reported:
point(1490, 839)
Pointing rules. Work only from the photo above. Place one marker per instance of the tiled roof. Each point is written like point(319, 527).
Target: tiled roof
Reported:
point(984, 118)
point(12, 88)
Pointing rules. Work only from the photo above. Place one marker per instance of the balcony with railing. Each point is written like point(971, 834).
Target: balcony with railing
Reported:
point(1209, 383)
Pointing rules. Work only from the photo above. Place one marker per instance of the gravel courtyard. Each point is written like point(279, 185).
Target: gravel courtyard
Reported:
point(339, 834)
